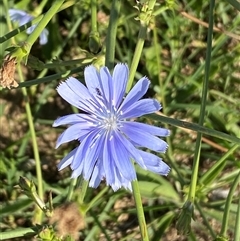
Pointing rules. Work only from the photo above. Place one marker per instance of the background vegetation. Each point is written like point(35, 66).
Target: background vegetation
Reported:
point(174, 59)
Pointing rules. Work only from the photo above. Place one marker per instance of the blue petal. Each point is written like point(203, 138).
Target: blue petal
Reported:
point(139, 108)
point(86, 120)
point(77, 87)
point(92, 80)
point(78, 160)
point(73, 132)
point(78, 171)
point(89, 143)
point(130, 148)
point(120, 77)
point(154, 163)
point(16, 15)
point(144, 139)
point(67, 160)
point(30, 29)
point(94, 146)
point(67, 93)
point(75, 93)
point(84, 159)
point(108, 164)
point(113, 175)
point(122, 159)
point(137, 92)
point(95, 87)
point(107, 85)
point(157, 131)
point(67, 120)
point(44, 37)
point(127, 185)
point(96, 177)
point(112, 172)
point(119, 181)
point(25, 19)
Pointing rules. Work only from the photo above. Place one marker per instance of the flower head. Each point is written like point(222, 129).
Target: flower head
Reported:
point(109, 140)
point(22, 17)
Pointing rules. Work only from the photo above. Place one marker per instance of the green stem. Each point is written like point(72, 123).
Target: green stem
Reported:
point(96, 198)
point(194, 127)
point(158, 48)
point(112, 34)
point(205, 220)
point(83, 189)
point(102, 217)
point(43, 23)
point(94, 15)
point(70, 62)
point(211, 172)
point(30, 23)
point(193, 184)
point(237, 225)
point(4, 23)
point(20, 29)
point(20, 232)
point(140, 212)
point(144, 21)
point(61, 75)
point(94, 39)
point(35, 63)
point(227, 208)
point(39, 8)
point(38, 217)
point(236, 5)
point(72, 185)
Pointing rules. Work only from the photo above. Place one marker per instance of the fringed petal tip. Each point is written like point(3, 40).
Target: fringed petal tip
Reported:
point(64, 82)
point(164, 169)
point(164, 133)
point(156, 104)
point(168, 132)
point(60, 84)
point(126, 186)
point(164, 151)
point(167, 171)
point(147, 79)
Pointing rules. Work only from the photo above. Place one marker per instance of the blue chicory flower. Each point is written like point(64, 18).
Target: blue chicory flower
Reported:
point(22, 17)
point(109, 138)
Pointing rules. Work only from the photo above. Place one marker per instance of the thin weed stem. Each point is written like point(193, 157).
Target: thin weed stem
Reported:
point(193, 184)
point(38, 214)
point(112, 34)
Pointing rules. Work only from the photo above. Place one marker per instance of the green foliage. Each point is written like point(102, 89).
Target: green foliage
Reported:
point(174, 59)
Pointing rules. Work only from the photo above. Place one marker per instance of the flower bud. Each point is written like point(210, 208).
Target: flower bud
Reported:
point(184, 219)
point(94, 42)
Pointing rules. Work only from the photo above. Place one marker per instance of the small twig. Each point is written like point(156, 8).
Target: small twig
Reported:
point(196, 20)
point(204, 139)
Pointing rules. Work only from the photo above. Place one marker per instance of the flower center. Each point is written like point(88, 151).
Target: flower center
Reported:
point(110, 122)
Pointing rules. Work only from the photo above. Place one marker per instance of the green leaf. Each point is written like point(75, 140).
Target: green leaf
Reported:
point(158, 190)
point(15, 207)
point(235, 4)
